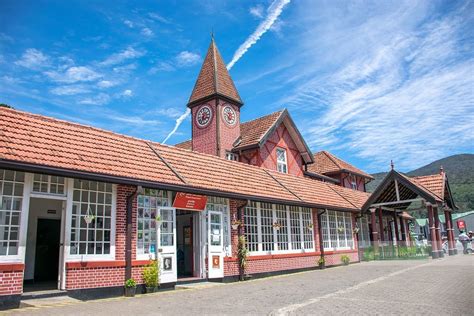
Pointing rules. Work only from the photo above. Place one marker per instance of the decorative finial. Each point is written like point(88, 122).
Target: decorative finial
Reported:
point(212, 34)
point(441, 169)
point(392, 165)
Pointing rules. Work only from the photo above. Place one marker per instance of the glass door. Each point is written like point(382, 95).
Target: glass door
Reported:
point(215, 246)
point(166, 240)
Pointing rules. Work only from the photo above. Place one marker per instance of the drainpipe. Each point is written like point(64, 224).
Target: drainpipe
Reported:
point(240, 232)
point(320, 230)
point(128, 232)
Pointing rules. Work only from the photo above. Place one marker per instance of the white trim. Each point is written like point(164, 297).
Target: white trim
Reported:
point(327, 231)
point(49, 196)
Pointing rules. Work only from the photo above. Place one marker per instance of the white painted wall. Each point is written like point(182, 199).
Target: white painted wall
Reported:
point(38, 209)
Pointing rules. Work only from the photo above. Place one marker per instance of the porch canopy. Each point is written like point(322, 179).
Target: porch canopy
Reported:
point(398, 193)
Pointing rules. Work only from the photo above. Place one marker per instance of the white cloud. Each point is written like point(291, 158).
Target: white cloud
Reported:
point(74, 74)
point(70, 90)
point(274, 11)
point(186, 58)
point(126, 54)
point(125, 69)
point(104, 84)
point(257, 11)
point(128, 23)
point(179, 120)
point(159, 18)
point(147, 32)
point(100, 99)
point(33, 59)
point(161, 67)
point(406, 97)
point(127, 93)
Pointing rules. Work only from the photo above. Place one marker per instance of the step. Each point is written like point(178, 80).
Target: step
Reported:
point(42, 294)
point(197, 285)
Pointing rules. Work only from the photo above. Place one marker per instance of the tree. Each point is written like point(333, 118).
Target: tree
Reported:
point(3, 105)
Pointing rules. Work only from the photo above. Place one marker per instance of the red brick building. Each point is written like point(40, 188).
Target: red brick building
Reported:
point(84, 209)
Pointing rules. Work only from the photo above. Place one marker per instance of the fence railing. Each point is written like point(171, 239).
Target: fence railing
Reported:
point(396, 251)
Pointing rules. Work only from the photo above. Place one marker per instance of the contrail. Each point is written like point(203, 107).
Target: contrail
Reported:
point(274, 12)
point(179, 120)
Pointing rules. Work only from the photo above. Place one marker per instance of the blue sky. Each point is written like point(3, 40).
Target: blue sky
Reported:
point(369, 81)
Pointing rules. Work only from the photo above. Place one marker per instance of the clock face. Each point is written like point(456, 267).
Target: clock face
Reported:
point(229, 115)
point(204, 116)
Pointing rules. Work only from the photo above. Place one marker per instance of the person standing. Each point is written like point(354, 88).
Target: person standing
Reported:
point(464, 239)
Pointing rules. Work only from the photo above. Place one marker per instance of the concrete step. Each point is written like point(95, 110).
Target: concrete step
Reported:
point(42, 294)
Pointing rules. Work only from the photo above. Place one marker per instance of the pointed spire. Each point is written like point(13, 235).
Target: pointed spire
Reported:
point(392, 165)
point(214, 79)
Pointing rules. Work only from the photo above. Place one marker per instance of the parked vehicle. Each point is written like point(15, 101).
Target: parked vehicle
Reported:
point(459, 247)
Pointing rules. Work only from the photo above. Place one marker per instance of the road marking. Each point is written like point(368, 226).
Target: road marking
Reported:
point(293, 307)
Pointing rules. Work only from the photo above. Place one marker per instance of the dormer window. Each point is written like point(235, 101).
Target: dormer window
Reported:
point(281, 160)
point(231, 156)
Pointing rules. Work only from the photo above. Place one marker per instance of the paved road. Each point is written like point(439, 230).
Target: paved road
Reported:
point(392, 287)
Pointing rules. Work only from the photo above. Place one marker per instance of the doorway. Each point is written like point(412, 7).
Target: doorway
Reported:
point(43, 264)
point(187, 242)
point(47, 251)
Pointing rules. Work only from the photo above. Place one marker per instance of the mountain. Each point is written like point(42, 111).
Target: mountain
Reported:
point(460, 172)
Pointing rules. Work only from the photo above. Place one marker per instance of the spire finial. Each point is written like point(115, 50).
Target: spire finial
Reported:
point(441, 169)
point(212, 34)
point(392, 165)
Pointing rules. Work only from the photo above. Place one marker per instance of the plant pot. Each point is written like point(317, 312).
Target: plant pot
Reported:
point(322, 266)
point(130, 291)
point(150, 289)
point(235, 226)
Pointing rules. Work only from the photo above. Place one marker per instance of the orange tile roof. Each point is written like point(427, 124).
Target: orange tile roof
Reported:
point(434, 183)
point(188, 144)
point(326, 163)
point(36, 140)
point(420, 185)
point(214, 78)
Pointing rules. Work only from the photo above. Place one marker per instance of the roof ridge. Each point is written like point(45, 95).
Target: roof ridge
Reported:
point(332, 158)
point(328, 185)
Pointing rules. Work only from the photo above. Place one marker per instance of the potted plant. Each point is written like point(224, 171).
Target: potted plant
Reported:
point(310, 226)
point(356, 230)
point(150, 276)
point(236, 223)
point(158, 219)
point(276, 226)
point(345, 260)
point(242, 254)
point(130, 288)
point(89, 217)
point(321, 263)
point(340, 229)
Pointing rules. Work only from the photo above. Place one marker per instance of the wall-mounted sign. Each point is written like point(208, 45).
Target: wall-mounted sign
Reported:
point(187, 201)
point(461, 224)
point(215, 262)
point(167, 263)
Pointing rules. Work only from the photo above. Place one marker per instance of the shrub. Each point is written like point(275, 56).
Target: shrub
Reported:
point(242, 254)
point(345, 260)
point(150, 274)
point(130, 283)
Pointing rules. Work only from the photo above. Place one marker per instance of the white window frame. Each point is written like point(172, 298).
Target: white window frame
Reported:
point(48, 182)
point(231, 156)
point(280, 163)
point(276, 249)
point(226, 231)
point(86, 257)
point(326, 227)
point(139, 254)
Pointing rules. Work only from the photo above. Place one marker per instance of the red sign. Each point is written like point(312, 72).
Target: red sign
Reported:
point(187, 201)
point(461, 224)
point(215, 262)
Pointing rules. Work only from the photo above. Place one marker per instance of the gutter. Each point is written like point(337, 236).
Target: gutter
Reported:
point(320, 230)
point(26, 167)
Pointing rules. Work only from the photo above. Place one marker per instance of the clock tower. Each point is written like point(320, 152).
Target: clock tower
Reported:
point(215, 107)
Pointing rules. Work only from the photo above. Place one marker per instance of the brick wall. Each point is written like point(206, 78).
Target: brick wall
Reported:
point(282, 262)
point(346, 181)
point(266, 155)
point(11, 279)
point(228, 134)
point(109, 273)
point(204, 138)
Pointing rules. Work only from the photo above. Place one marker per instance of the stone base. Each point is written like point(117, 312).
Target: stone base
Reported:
point(452, 252)
point(10, 301)
point(434, 255)
point(440, 253)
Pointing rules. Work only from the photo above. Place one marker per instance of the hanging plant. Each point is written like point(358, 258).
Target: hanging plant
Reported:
point(158, 218)
point(310, 226)
point(356, 230)
point(89, 217)
point(276, 226)
point(340, 229)
point(236, 223)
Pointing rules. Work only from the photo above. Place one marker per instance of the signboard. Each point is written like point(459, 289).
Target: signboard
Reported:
point(461, 224)
point(187, 201)
point(215, 262)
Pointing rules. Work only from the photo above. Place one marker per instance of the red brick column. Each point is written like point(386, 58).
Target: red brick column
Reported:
point(431, 223)
point(11, 284)
point(449, 230)
point(439, 244)
point(375, 234)
point(381, 232)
